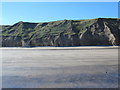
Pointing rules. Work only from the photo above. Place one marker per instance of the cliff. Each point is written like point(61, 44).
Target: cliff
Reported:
point(100, 31)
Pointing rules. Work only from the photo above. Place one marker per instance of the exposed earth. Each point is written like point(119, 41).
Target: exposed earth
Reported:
point(90, 32)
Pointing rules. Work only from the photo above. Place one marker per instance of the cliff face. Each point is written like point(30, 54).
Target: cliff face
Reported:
point(101, 31)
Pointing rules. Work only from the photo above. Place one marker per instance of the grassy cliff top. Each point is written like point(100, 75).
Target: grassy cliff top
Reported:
point(28, 30)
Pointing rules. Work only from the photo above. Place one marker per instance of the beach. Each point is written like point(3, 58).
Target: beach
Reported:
point(60, 67)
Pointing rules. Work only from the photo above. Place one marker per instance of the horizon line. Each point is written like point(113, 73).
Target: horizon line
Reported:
point(61, 20)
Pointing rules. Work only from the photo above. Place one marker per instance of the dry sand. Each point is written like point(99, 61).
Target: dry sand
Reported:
point(60, 67)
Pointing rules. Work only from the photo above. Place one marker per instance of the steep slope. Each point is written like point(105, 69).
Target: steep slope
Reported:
point(100, 31)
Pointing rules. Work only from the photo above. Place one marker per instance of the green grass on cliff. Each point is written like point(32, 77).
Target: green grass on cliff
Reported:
point(39, 30)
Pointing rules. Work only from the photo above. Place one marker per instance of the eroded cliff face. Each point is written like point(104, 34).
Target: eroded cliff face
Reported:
point(11, 41)
point(101, 31)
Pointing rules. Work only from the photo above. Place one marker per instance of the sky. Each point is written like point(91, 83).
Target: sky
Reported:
point(13, 12)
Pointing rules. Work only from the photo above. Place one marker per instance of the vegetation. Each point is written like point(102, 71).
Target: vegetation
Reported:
point(68, 27)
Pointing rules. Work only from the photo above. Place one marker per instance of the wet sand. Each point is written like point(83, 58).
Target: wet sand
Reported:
point(60, 67)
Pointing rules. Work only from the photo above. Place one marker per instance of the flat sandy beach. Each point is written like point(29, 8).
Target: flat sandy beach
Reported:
point(60, 67)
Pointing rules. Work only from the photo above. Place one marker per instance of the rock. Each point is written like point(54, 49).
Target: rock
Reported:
point(100, 31)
